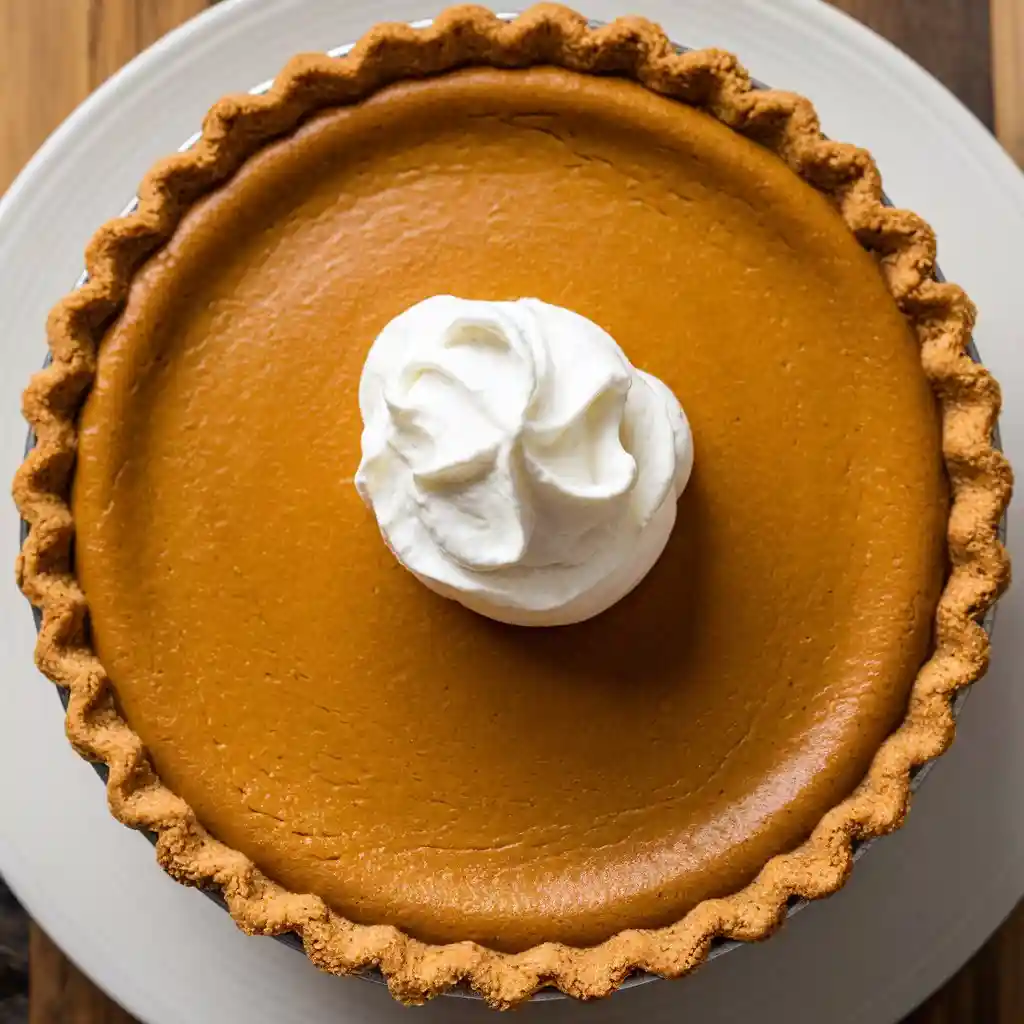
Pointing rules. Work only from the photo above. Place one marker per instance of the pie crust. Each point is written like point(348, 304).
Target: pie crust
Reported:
point(940, 313)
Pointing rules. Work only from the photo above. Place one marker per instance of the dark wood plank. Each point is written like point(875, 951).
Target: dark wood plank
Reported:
point(951, 38)
point(989, 989)
point(1008, 74)
point(14, 927)
point(60, 994)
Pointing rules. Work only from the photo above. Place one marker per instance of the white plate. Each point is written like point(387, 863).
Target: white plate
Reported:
point(919, 904)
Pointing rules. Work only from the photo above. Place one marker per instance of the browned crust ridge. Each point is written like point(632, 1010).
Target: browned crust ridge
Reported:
point(940, 313)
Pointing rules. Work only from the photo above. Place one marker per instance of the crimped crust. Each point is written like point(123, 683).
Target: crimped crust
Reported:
point(940, 313)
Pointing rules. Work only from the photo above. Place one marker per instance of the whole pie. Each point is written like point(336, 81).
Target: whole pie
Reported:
point(407, 784)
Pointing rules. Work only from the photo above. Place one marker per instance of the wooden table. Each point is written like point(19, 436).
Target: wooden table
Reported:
point(53, 53)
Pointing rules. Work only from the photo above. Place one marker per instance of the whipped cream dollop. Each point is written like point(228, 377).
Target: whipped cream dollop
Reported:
point(515, 460)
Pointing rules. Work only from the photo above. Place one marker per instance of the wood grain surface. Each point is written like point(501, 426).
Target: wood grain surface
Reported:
point(1008, 74)
point(59, 993)
point(951, 38)
point(53, 53)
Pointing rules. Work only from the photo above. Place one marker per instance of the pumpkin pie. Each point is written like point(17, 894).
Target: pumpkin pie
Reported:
point(404, 783)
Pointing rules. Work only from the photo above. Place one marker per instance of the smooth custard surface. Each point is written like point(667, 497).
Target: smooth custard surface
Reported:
point(413, 763)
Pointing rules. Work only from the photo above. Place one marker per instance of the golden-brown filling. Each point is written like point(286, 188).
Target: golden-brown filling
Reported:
point(416, 764)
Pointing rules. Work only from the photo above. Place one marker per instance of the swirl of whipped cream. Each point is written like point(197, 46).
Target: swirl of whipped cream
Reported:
point(515, 460)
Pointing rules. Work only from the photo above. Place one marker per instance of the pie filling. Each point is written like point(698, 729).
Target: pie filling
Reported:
point(412, 762)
